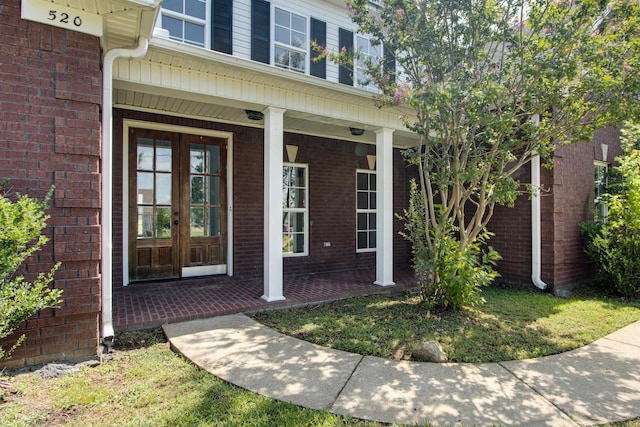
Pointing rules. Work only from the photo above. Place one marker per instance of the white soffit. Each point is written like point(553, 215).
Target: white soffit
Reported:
point(123, 20)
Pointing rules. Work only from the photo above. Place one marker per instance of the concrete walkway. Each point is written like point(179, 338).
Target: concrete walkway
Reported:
point(596, 384)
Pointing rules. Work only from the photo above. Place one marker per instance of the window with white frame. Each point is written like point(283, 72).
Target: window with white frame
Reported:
point(366, 51)
point(186, 20)
point(295, 212)
point(601, 178)
point(290, 40)
point(365, 210)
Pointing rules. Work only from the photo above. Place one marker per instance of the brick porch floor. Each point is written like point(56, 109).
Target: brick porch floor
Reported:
point(141, 306)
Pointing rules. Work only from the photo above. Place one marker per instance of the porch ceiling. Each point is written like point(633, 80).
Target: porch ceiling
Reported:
point(294, 121)
point(182, 80)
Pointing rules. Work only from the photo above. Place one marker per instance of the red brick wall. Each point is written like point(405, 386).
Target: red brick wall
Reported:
point(50, 95)
point(512, 228)
point(512, 239)
point(402, 174)
point(573, 204)
point(332, 173)
point(566, 202)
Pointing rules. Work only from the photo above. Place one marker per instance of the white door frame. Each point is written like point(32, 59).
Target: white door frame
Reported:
point(228, 136)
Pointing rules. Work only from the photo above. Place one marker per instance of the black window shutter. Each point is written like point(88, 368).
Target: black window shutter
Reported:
point(221, 31)
point(345, 40)
point(260, 25)
point(319, 35)
point(389, 64)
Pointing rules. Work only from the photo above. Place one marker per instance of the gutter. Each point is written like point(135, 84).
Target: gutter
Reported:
point(536, 226)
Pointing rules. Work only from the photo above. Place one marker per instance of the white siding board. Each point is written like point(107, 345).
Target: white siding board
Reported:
point(332, 43)
point(174, 77)
point(136, 71)
point(242, 29)
point(165, 75)
point(260, 94)
point(268, 94)
point(145, 72)
point(156, 77)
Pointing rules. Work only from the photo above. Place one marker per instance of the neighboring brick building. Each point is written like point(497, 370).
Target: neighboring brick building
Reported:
point(225, 150)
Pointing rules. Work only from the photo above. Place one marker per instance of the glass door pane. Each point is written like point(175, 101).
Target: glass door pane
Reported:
point(205, 201)
point(153, 211)
point(154, 188)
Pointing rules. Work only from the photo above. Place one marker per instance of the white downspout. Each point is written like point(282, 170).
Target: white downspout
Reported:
point(536, 225)
point(107, 182)
point(536, 246)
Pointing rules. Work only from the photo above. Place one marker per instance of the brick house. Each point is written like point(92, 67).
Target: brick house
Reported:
point(203, 141)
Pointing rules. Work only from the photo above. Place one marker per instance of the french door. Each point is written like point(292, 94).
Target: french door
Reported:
point(177, 205)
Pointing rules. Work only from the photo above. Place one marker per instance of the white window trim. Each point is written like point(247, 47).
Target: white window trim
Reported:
point(374, 210)
point(304, 210)
point(274, 43)
point(188, 18)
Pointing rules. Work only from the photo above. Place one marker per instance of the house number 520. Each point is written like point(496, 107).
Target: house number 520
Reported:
point(71, 19)
point(64, 18)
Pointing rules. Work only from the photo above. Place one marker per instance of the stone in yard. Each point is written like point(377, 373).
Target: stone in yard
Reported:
point(430, 351)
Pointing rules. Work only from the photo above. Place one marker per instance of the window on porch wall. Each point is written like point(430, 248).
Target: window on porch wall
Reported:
point(295, 213)
point(203, 23)
point(601, 180)
point(365, 211)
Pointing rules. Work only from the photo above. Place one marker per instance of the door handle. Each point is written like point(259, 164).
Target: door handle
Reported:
point(175, 222)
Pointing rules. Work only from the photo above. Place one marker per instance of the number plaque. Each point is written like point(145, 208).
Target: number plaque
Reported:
point(62, 16)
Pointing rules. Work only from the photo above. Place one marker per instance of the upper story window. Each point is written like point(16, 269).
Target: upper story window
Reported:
point(203, 23)
point(186, 20)
point(366, 51)
point(290, 47)
point(601, 180)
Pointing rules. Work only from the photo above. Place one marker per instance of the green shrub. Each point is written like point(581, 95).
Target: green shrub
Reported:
point(450, 276)
point(21, 224)
point(614, 244)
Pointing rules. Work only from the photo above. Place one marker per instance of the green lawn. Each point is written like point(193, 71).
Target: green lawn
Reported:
point(146, 384)
point(149, 386)
point(512, 324)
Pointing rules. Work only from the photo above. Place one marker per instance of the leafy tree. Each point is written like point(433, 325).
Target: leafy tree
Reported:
point(489, 85)
point(21, 224)
point(614, 243)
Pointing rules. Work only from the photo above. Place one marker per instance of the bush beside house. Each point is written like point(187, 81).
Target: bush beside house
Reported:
point(614, 240)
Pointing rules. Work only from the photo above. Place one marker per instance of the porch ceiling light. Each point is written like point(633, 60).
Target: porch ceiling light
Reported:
point(356, 131)
point(254, 115)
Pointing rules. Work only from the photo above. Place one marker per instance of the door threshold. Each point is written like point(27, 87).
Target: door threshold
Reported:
point(204, 270)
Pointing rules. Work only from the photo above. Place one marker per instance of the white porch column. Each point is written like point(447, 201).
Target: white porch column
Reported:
point(273, 145)
point(384, 207)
